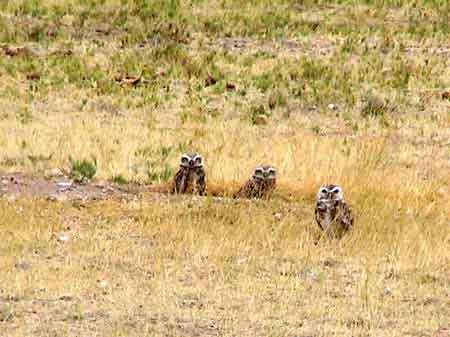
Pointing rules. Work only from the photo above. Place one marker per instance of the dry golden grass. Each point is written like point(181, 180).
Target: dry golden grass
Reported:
point(163, 265)
point(200, 266)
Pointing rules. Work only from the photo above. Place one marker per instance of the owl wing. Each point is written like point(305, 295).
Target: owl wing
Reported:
point(317, 214)
point(345, 216)
point(245, 191)
point(269, 187)
point(179, 181)
point(201, 184)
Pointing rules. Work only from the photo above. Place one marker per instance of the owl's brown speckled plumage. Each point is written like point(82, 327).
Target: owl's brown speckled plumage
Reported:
point(260, 185)
point(332, 213)
point(191, 177)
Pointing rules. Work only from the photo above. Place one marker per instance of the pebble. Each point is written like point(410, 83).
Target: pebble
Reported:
point(64, 185)
point(387, 291)
point(11, 198)
point(22, 265)
point(67, 20)
point(101, 184)
point(102, 284)
point(63, 237)
point(54, 172)
point(57, 197)
point(260, 120)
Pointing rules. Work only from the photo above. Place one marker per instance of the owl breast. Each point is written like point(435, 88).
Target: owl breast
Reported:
point(325, 213)
point(262, 187)
point(196, 181)
point(190, 182)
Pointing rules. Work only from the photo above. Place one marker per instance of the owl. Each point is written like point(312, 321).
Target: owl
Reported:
point(261, 184)
point(333, 214)
point(190, 178)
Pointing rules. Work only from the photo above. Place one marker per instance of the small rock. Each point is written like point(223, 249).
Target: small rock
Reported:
point(14, 180)
point(278, 216)
point(63, 237)
point(103, 28)
point(19, 50)
point(66, 298)
point(22, 265)
point(387, 291)
point(13, 298)
point(260, 120)
point(332, 106)
point(210, 81)
point(442, 192)
point(57, 197)
point(107, 189)
point(11, 198)
point(430, 301)
point(67, 20)
point(64, 185)
point(330, 263)
point(101, 183)
point(443, 333)
point(33, 77)
point(311, 275)
point(52, 173)
point(102, 284)
point(230, 87)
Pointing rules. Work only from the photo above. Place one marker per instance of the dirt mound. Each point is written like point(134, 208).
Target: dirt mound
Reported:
point(15, 185)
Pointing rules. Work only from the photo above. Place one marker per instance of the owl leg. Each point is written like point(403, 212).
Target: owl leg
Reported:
point(180, 183)
point(201, 185)
point(174, 186)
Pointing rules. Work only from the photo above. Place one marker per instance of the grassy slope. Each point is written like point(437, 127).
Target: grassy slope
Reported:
point(177, 266)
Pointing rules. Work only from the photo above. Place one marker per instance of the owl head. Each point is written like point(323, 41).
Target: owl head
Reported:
point(264, 172)
point(191, 160)
point(330, 192)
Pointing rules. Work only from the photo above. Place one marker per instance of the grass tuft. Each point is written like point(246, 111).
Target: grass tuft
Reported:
point(375, 106)
point(83, 170)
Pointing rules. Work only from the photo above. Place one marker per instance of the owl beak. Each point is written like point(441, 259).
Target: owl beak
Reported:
point(191, 162)
point(322, 206)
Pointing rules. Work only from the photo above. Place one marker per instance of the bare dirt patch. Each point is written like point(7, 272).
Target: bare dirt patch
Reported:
point(19, 185)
